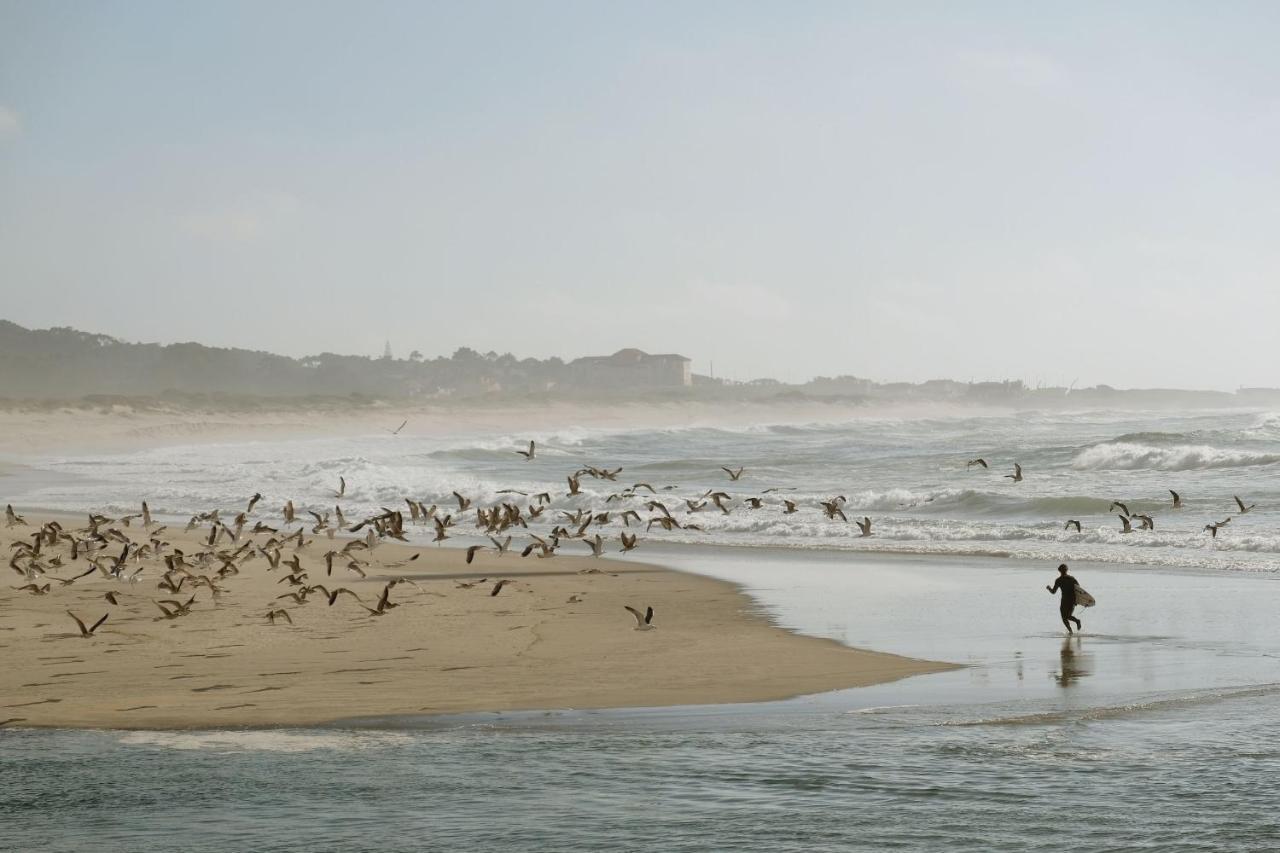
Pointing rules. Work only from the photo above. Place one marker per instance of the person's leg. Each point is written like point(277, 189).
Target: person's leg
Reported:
point(1077, 621)
point(1065, 613)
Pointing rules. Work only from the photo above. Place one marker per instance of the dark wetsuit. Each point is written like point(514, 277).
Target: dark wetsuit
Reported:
point(1067, 584)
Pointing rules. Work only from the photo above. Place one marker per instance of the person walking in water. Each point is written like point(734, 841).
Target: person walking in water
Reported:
point(1068, 585)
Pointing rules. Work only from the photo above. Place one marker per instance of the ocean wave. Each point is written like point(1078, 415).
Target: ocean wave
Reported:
point(226, 740)
point(1129, 456)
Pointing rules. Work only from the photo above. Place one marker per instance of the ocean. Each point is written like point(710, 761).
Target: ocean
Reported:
point(1157, 729)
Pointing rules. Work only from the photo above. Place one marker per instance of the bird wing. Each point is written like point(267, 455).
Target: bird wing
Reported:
point(99, 622)
point(1239, 502)
point(83, 629)
point(640, 620)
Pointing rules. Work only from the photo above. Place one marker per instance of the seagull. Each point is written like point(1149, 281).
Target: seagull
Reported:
point(832, 508)
point(1115, 504)
point(1177, 499)
point(733, 475)
point(1147, 522)
point(644, 622)
point(1126, 525)
point(342, 487)
point(864, 525)
point(333, 596)
point(629, 542)
point(88, 632)
point(471, 552)
point(396, 431)
point(497, 587)
point(1071, 522)
point(791, 507)
point(596, 545)
point(280, 613)
point(112, 597)
point(257, 496)
point(574, 487)
point(1213, 528)
point(528, 454)
point(34, 589)
point(1243, 508)
point(12, 519)
point(1016, 476)
point(978, 461)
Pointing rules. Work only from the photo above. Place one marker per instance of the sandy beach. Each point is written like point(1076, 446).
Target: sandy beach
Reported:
point(557, 636)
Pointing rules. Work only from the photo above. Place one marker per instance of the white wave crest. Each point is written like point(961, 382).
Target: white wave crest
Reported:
point(1126, 456)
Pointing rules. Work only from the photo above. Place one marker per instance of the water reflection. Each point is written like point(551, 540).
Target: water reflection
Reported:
point(1073, 663)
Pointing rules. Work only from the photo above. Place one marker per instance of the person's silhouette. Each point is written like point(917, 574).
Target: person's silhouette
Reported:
point(1067, 584)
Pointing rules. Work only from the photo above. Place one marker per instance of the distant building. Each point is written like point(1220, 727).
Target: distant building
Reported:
point(631, 368)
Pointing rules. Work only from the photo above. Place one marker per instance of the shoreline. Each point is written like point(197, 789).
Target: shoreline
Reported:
point(556, 637)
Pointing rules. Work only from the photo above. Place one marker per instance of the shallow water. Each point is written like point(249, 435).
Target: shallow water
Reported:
point(1156, 729)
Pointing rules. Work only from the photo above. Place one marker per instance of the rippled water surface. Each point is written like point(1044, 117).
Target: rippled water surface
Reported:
point(1156, 729)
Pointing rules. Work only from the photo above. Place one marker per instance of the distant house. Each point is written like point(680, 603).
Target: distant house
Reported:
point(631, 368)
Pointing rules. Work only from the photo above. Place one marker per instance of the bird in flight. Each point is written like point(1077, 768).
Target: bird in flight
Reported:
point(1071, 522)
point(733, 475)
point(1016, 476)
point(1177, 499)
point(396, 431)
point(1243, 508)
point(644, 621)
point(528, 454)
point(342, 487)
point(88, 632)
point(978, 461)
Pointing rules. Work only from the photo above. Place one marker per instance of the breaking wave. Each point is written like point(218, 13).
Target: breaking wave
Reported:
point(1132, 456)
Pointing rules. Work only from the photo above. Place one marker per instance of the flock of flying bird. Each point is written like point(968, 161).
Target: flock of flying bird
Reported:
point(1127, 518)
point(106, 546)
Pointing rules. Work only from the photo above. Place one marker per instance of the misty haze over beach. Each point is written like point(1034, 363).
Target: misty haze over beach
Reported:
point(594, 427)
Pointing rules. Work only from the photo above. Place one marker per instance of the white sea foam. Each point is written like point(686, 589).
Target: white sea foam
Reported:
point(1128, 456)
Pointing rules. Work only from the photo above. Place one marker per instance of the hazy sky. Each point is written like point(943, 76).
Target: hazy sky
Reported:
point(896, 190)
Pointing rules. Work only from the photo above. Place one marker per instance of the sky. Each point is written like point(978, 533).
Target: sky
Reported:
point(1076, 192)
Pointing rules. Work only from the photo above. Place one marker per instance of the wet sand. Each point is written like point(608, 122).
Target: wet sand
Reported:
point(556, 637)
